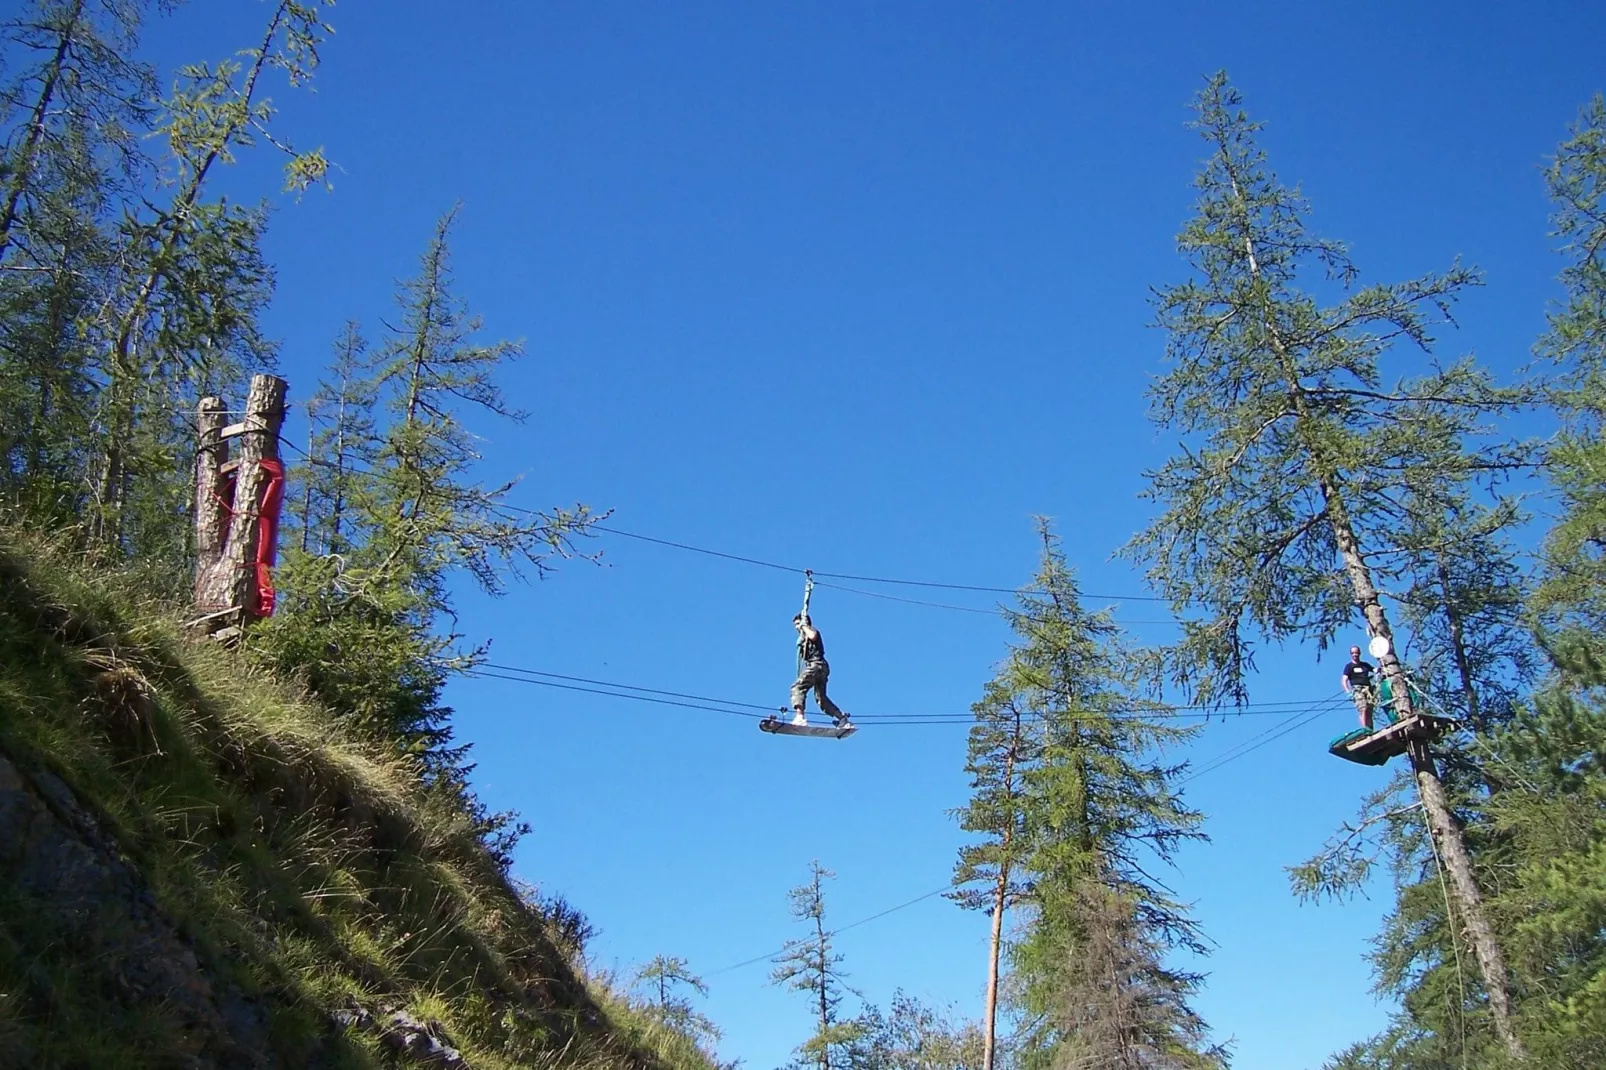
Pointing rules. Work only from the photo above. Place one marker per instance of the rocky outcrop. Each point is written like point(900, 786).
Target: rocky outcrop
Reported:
point(65, 874)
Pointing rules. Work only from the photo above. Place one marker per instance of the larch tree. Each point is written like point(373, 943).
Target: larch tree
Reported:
point(666, 982)
point(913, 1035)
point(1278, 508)
point(342, 443)
point(811, 965)
point(74, 103)
point(1571, 600)
point(399, 502)
point(184, 309)
point(988, 874)
point(1099, 811)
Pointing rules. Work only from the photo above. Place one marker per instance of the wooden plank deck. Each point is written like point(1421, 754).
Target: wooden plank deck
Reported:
point(787, 728)
point(1389, 741)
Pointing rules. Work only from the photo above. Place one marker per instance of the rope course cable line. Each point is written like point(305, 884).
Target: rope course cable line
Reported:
point(1297, 720)
point(849, 577)
point(612, 694)
point(1310, 714)
point(841, 929)
point(800, 571)
point(995, 611)
point(687, 700)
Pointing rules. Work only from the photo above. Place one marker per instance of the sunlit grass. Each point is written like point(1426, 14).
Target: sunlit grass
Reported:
point(308, 867)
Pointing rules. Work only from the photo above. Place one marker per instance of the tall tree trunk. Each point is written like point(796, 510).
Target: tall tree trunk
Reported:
point(124, 367)
point(825, 1003)
point(23, 166)
point(990, 1014)
point(1458, 647)
point(1448, 833)
point(211, 453)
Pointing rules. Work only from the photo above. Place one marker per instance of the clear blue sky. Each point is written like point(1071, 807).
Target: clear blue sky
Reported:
point(862, 287)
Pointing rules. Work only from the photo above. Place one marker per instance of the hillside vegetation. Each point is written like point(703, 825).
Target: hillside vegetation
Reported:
point(204, 869)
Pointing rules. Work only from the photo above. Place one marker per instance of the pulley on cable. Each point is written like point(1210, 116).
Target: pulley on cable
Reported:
point(813, 671)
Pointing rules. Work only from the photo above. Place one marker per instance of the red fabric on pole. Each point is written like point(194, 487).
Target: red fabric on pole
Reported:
point(268, 536)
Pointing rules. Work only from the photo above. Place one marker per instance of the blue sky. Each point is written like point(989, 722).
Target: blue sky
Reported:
point(862, 288)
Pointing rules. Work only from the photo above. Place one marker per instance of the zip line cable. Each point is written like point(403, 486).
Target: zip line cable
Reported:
point(993, 612)
point(612, 694)
point(851, 925)
point(1326, 706)
point(612, 689)
point(800, 571)
point(626, 687)
point(818, 575)
point(1289, 724)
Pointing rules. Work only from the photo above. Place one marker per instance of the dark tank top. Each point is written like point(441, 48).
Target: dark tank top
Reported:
point(811, 649)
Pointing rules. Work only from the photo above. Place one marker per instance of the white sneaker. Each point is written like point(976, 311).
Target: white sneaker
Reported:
point(799, 720)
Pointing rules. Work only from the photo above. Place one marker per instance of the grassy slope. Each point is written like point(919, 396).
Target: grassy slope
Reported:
point(308, 869)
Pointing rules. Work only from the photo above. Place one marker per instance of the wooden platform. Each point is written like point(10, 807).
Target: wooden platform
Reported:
point(787, 728)
point(1390, 741)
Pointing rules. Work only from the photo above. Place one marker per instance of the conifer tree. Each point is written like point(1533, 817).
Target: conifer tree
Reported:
point(663, 980)
point(429, 518)
point(1277, 511)
point(1571, 599)
point(396, 500)
point(988, 874)
point(915, 1036)
point(73, 107)
point(1098, 808)
point(342, 447)
point(811, 965)
point(187, 303)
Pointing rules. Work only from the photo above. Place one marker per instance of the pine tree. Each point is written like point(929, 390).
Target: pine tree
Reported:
point(185, 307)
point(662, 980)
point(1571, 599)
point(1278, 514)
point(342, 448)
point(74, 108)
point(811, 965)
point(914, 1036)
point(431, 518)
point(1097, 809)
point(987, 875)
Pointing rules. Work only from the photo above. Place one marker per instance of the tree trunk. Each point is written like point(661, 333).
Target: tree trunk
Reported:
point(990, 1014)
point(227, 584)
point(1452, 847)
point(211, 452)
point(1447, 831)
point(825, 1003)
point(1458, 646)
point(23, 167)
point(1462, 879)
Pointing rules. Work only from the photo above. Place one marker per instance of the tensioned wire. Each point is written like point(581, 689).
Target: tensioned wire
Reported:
point(688, 700)
point(1290, 724)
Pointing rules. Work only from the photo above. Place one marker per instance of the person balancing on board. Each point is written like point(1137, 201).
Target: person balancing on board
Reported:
point(1357, 681)
point(813, 672)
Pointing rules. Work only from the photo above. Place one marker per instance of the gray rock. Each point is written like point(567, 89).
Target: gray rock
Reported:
point(54, 854)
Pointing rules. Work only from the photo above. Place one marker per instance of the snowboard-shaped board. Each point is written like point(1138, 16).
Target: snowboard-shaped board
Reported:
point(787, 728)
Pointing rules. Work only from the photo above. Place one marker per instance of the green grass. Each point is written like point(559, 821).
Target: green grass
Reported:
point(310, 869)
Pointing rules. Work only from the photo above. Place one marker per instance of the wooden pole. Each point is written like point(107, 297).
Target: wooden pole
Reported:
point(228, 582)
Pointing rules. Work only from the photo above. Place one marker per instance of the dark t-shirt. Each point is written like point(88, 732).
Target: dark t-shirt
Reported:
point(811, 649)
point(1358, 673)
